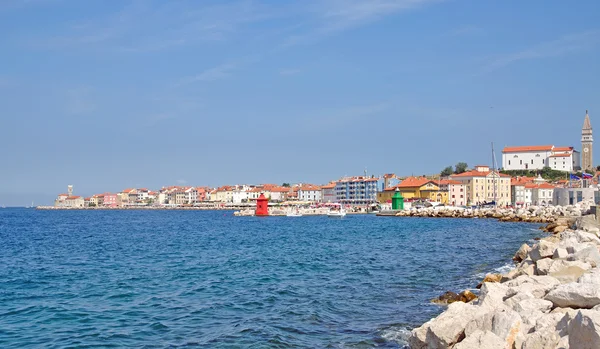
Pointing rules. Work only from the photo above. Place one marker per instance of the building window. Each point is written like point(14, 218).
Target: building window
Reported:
point(509, 162)
point(532, 161)
point(521, 162)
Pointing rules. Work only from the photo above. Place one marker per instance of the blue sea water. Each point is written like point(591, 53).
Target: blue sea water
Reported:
point(170, 279)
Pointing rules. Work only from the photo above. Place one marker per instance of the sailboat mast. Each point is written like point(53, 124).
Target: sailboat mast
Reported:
point(494, 172)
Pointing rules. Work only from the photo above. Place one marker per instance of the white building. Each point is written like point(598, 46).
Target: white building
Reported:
point(538, 157)
point(309, 193)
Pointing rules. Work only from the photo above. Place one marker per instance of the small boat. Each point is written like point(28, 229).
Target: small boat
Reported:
point(337, 214)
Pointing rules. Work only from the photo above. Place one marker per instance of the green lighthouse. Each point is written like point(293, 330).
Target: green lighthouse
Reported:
point(397, 201)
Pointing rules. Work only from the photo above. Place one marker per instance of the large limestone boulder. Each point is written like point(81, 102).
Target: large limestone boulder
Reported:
point(492, 294)
point(584, 330)
point(543, 265)
point(504, 323)
point(544, 339)
point(543, 249)
point(531, 310)
point(481, 339)
point(522, 253)
point(526, 267)
point(448, 328)
point(560, 253)
point(568, 271)
point(588, 255)
point(575, 295)
point(418, 336)
point(590, 277)
point(538, 286)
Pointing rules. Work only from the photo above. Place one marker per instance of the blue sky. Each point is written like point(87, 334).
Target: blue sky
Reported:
point(112, 94)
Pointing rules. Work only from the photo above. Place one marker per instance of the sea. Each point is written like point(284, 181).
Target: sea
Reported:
point(207, 279)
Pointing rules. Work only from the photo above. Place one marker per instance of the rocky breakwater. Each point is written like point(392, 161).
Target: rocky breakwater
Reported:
point(532, 214)
point(550, 300)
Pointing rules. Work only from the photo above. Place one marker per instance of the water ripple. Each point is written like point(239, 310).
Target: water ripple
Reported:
point(158, 279)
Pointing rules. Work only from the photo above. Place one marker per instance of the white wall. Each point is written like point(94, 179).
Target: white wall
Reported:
point(523, 160)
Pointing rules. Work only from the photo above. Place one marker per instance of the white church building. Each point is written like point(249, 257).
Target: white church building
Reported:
point(540, 156)
point(557, 158)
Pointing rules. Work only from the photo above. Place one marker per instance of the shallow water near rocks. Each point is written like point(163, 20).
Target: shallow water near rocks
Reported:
point(155, 279)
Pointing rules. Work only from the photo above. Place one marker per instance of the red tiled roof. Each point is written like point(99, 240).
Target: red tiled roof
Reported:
point(563, 148)
point(328, 186)
point(128, 190)
point(280, 190)
point(527, 148)
point(73, 197)
point(310, 187)
point(539, 186)
point(521, 180)
point(413, 182)
point(63, 194)
point(560, 155)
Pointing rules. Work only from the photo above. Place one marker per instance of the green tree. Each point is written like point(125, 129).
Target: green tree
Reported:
point(286, 185)
point(460, 167)
point(446, 171)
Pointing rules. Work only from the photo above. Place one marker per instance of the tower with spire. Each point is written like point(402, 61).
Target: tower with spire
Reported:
point(587, 158)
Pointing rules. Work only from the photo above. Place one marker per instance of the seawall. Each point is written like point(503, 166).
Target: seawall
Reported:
point(551, 299)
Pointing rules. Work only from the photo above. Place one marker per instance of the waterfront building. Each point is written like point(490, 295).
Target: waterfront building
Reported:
point(587, 141)
point(108, 200)
point(390, 180)
point(309, 192)
point(70, 201)
point(538, 157)
point(328, 193)
point(483, 185)
point(571, 196)
point(457, 193)
point(357, 190)
point(423, 188)
point(279, 194)
point(239, 194)
point(519, 195)
point(93, 201)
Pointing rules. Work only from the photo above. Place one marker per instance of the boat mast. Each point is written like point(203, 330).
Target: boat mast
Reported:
point(494, 173)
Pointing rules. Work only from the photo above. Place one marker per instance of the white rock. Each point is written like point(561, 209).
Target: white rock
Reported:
point(584, 330)
point(537, 285)
point(481, 339)
point(543, 265)
point(507, 325)
point(563, 343)
point(522, 253)
point(544, 339)
point(588, 255)
point(526, 267)
point(560, 253)
point(445, 330)
point(492, 294)
point(531, 310)
point(418, 337)
point(568, 271)
point(515, 295)
point(543, 249)
point(574, 295)
point(590, 277)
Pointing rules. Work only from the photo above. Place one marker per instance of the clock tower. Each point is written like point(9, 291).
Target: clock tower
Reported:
point(587, 159)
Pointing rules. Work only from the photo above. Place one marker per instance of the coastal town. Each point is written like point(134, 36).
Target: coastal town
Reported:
point(529, 175)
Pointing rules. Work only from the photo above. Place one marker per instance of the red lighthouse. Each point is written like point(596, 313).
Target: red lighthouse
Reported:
point(262, 206)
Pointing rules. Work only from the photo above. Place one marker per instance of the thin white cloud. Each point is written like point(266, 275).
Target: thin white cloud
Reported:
point(335, 16)
point(564, 45)
point(211, 74)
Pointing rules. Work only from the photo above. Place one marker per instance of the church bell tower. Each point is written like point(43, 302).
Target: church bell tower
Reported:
point(587, 158)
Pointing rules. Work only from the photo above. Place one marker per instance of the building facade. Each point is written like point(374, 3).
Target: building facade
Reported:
point(538, 157)
point(356, 190)
point(484, 186)
point(328, 193)
point(309, 192)
point(587, 156)
point(457, 193)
